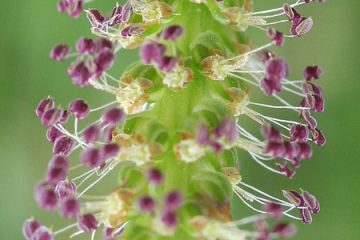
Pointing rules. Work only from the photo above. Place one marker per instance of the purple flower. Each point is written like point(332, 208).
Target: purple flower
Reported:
point(306, 215)
point(95, 18)
point(276, 36)
point(85, 46)
point(52, 134)
point(52, 117)
point(202, 136)
point(310, 120)
point(291, 150)
point(104, 61)
point(155, 176)
point(72, 7)
point(81, 72)
point(167, 63)
point(284, 230)
point(103, 44)
point(79, 108)
point(311, 89)
point(113, 116)
point(276, 69)
point(152, 52)
point(311, 202)
point(284, 168)
point(110, 150)
point(173, 32)
point(42, 233)
point(111, 233)
point(91, 133)
point(275, 149)
point(132, 30)
point(294, 198)
point(44, 106)
point(146, 204)
point(305, 150)
point(56, 174)
point(92, 158)
point(318, 137)
point(227, 128)
point(312, 72)
point(70, 208)
point(29, 228)
point(59, 161)
point(65, 189)
point(299, 25)
point(173, 201)
point(302, 27)
point(63, 145)
point(120, 14)
point(270, 87)
point(271, 133)
point(273, 209)
point(169, 219)
point(60, 52)
point(87, 223)
point(299, 133)
point(45, 196)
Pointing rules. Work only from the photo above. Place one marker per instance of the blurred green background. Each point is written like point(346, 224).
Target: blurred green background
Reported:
point(30, 28)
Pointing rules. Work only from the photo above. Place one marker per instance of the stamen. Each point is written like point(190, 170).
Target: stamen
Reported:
point(97, 180)
point(298, 3)
point(104, 106)
point(278, 107)
point(264, 165)
point(261, 192)
point(86, 178)
point(64, 131)
point(248, 53)
point(65, 229)
point(247, 220)
point(83, 175)
point(76, 128)
point(247, 134)
point(76, 234)
point(273, 23)
point(93, 235)
point(248, 204)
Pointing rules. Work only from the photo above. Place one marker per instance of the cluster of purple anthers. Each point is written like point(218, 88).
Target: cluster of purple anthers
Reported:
point(132, 134)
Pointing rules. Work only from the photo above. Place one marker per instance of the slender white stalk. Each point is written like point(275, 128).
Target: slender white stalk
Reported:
point(283, 120)
point(248, 71)
point(93, 235)
point(85, 179)
point(82, 175)
point(103, 106)
point(247, 220)
point(262, 193)
point(278, 107)
point(247, 134)
point(273, 23)
point(249, 52)
point(76, 128)
point(65, 229)
point(76, 234)
point(244, 79)
point(298, 3)
point(249, 205)
point(120, 228)
point(264, 165)
point(96, 181)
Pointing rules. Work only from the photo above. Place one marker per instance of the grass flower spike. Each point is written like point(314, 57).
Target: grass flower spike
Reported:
point(170, 137)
